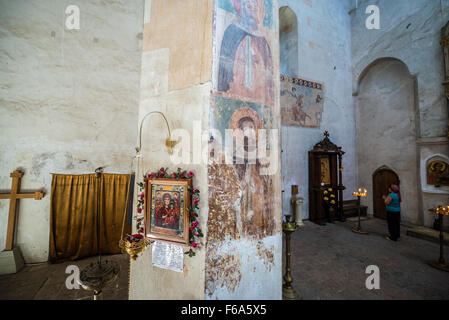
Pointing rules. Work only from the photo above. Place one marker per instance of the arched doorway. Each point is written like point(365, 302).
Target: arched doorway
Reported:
point(387, 128)
point(382, 179)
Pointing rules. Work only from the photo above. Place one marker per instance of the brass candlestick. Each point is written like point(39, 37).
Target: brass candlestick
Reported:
point(359, 194)
point(288, 293)
point(440, 264)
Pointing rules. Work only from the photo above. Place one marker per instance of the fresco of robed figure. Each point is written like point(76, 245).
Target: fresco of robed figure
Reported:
point(249, 204)
point(245, 69)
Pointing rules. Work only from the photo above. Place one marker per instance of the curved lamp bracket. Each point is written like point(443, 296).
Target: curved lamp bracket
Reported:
point(168, 142)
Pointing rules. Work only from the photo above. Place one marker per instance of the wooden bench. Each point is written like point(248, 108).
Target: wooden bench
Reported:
point(350, 208)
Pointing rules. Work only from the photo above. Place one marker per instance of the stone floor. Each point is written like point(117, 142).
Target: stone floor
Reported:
point(47, 282)
point(329, 262)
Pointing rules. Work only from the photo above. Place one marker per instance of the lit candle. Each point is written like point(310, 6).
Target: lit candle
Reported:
point(359, 193)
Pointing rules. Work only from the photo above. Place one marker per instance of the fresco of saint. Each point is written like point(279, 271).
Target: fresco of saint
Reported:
point(301, 102)
point(245, 69)
point(257, 190)
point(252, 197)
point(438, 173)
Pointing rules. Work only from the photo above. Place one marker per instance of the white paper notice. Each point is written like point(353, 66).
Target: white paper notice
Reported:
point(168, 256)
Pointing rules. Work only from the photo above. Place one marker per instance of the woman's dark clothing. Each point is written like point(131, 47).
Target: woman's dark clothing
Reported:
point(394, 224)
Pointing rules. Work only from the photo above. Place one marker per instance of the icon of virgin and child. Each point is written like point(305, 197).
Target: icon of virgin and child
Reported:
point(166, 213)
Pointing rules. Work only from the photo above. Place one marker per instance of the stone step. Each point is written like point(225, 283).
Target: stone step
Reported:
point(356, 218)
point(428, 234)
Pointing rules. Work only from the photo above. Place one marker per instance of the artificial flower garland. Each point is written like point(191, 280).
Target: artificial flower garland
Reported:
point(195, 230)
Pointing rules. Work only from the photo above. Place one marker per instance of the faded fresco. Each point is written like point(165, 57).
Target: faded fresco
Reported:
point(244, 201)
point(245, 63)
point(301, 102)
point(249, 193)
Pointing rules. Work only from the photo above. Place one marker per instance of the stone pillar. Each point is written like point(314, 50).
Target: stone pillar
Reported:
point(176, 80)
point(234, 85)
point(244, 223)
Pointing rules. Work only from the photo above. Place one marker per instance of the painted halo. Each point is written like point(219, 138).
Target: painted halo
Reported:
point(244, 113)
point(443, 166)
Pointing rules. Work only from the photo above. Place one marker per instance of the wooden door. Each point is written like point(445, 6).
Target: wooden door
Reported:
point(382, 179)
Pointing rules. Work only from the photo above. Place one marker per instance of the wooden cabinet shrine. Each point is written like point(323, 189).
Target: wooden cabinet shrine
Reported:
point(325, 174)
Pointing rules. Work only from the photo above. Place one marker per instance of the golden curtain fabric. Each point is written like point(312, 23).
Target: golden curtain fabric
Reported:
point(73, 214)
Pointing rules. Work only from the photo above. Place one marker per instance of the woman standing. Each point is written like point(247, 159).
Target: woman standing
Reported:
point(393, 204)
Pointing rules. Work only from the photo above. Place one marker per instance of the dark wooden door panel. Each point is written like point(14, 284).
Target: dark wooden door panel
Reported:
point(382, 179)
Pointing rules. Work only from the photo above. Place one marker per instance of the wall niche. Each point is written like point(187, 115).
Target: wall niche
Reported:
point(435, 174)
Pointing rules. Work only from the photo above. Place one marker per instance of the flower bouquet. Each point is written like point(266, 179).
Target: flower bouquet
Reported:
point(329, 197)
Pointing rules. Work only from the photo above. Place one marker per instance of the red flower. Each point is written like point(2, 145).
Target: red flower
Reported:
point(134, 238)
point(194, 224)
point(190, 174)
point(194, 245)
point(142, 195)
point(139, 210)
point(196, 201)
point(195, 191)
point(151, 175)
point(196, 233)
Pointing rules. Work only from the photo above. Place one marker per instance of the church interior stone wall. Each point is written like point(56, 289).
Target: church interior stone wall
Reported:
point(73, 100)
point(64, 94)
point(324, 42)
point(410, 31)
point(386, 132)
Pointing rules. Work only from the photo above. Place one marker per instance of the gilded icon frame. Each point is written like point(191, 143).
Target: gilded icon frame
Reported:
point(168, 222)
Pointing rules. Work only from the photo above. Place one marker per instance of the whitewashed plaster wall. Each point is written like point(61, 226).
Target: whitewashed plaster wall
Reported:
point(410, 31)
point(324, 55)
point(182, 108)
point(178, 85)
point(63, 96)
point(386, 132)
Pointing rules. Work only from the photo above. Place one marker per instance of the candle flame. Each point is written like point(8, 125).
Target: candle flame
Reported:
point(359, 193)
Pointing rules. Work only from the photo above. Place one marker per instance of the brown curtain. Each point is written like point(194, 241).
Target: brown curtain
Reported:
point(73, 214)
